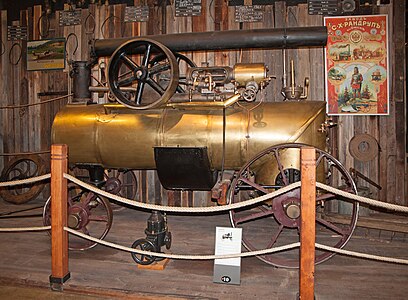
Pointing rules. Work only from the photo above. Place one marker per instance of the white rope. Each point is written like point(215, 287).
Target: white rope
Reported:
point(362, 255)
point(179, 256)
point(236, 205)
point(21, 229)
point(25, 181)
point(245, 254)
point(361, 199)
point(183, 209)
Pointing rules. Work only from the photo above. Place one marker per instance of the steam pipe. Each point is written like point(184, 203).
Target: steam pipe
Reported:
point(278, 38)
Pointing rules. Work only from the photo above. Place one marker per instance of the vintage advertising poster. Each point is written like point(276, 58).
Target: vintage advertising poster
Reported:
point(46, 54)
point(357, 79)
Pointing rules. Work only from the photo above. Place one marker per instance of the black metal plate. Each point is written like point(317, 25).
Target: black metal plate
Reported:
point(184, 168)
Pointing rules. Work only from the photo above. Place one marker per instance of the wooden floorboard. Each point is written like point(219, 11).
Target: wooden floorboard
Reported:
point(25, 258)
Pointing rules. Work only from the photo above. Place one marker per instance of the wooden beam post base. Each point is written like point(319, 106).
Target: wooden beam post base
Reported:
point(57, 283)
point(158, 266)
point(307, 224)
point(59, 211)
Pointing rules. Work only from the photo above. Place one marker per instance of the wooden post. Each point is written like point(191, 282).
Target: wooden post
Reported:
point(59, 237)
point(307, 226)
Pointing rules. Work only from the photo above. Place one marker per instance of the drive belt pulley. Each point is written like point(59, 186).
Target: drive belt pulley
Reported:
point(363, 147)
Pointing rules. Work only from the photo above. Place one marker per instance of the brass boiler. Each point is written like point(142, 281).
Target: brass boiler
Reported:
point(114, 136)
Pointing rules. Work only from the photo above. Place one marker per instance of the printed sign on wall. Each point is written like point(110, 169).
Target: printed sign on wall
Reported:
point(46, 54)
point(357, 77)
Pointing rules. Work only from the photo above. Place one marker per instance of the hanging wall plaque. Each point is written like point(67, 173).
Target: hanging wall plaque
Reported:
point(70, 17)
point(137, 13)
point(186, 8)
point(248, 13)
point(15, 33)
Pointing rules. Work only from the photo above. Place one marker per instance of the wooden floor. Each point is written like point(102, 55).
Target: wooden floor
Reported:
point(25, 258)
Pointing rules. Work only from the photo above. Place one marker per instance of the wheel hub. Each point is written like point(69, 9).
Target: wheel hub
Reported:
point(141, 74)
point(287, 209)
point(78, 217)
point(292, 210)
point(113, 185)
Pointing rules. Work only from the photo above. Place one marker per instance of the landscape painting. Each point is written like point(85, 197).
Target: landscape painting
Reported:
point(46, 54)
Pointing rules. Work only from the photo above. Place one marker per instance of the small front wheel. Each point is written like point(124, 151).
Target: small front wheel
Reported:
point(145, 245)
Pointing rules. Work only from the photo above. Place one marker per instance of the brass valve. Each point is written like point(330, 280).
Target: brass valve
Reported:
point(328, 123)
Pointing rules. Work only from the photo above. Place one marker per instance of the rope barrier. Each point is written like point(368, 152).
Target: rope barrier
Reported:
point(179, 256)
point(25, 153)
point(244, 254)
point(263, 198)
point(250, 202)
point(361, 199)
point(183, 209)
point(21, 229)
point(362, 255)
point(25, 181)
point(33, 104)
point(213, 209)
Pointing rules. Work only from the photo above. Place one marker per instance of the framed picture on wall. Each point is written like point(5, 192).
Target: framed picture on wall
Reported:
point(356, 65)
point(46, 54)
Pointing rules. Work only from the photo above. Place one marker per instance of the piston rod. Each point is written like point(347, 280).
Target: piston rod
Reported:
point(278, 38)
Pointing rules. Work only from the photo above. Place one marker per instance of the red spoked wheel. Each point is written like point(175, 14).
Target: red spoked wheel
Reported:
point(277, 222)
point(122, 183)
point(88, 213)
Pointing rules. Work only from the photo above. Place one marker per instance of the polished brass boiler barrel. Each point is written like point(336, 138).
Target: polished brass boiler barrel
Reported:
point(114, 136)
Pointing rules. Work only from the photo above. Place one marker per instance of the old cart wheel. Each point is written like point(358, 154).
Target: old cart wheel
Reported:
point(20, 168)
point(145, 245)
point(183, 63)
point(121, 183)
point(124, 183)
point(88, 213)
point(127, 71)
point(277, 222)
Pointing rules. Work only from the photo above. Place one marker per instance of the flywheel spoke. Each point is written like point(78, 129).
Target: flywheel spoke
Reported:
point(139, 92)
point(146, 56)
point(126, 81)
point(155, 86)
point(129, 62)
point(159, 68)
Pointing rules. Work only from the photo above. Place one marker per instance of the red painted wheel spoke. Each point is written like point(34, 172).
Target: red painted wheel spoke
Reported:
point(325, 196)
point(85, 230)
point(319, 159)
point(254, 216)
point(285, 180)
point(275, 237)
point(331, 226)
point(95, 218)
point(254, 185)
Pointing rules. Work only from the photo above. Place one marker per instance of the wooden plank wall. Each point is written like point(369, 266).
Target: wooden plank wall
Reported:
point(29, 129)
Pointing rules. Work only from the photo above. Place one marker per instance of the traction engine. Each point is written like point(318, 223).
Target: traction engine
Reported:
point(205, 128)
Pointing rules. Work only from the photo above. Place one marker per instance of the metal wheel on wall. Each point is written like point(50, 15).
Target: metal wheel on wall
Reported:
point(19, 168)
point(277, 222)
